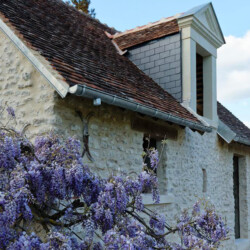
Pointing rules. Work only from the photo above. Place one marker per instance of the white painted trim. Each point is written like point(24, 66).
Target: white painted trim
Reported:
point(210, 88)
point(164, 199)
point(121, 53)
point(204, 37)
point(190, 32)
point(203, 42)
point(205, 32)
point(189, 73)
point(60, 86)
point(204, 120)
point(215, 37)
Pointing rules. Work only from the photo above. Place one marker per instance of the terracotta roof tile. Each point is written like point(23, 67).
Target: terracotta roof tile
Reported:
point(77, 47)
point(146, 33)
point(238, 127)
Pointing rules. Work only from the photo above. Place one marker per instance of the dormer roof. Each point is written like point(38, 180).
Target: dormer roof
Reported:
point(202, 17)
point(145, 33)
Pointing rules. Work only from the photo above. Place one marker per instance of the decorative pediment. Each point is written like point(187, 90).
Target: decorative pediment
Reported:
point(208, 18)
point(203, 19)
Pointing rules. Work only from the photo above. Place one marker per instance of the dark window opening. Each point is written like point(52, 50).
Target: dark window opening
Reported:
point(236, 190)
point(199, 84)
point(204, 173)
point(147, 144)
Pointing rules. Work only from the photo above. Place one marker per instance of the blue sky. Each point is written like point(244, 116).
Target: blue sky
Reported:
point(233, 58)
point(234, 16)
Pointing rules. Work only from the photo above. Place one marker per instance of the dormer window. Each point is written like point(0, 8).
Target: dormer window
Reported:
point(182, 60)
point(199, 84)
point(201, 37)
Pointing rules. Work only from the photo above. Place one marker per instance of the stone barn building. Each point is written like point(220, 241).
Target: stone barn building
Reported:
point(157, 81)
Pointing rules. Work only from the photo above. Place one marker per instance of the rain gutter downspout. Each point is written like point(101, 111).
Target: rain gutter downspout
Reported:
point(85, 91)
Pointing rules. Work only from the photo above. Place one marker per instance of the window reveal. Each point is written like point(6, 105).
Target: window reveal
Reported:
point(148, 143)
point(236, 191)
point(204, 175)
point(199, 84)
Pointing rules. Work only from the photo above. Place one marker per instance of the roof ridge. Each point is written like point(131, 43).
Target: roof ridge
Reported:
point(148, 25)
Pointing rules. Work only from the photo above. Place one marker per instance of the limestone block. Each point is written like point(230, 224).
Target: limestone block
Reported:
point(25, 84)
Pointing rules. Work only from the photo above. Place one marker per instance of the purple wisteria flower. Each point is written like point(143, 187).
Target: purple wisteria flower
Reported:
point(47, 183)
point(154, 158)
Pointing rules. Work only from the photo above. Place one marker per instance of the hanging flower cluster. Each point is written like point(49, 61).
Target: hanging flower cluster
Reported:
point(46, 183)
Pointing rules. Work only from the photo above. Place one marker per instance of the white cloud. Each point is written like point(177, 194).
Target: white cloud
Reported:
point(234, 69)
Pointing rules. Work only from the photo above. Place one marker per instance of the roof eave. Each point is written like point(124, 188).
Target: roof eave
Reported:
point(85, 91)
point(228, 135)
point(242, 140)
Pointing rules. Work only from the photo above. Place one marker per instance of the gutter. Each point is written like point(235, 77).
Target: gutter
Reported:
point(242, 140)
point(85, 91)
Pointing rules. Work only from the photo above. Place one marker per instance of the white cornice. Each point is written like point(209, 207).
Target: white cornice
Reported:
point(193, 22)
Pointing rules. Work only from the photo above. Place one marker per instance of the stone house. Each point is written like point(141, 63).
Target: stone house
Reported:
point(157, 81)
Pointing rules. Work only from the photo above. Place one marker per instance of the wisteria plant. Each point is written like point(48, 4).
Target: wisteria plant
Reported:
point(46, 183)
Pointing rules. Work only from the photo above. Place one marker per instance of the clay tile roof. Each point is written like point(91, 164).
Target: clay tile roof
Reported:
point(151, 31)
point(238, 127)
point(78, 48)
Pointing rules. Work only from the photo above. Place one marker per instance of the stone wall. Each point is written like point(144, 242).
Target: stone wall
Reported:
point(115, 146)
point(23, 88)
point(243, 153)
point(186, 159)
point(161, 60)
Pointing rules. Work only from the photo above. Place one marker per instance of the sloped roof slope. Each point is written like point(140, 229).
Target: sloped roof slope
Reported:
point(78, 48)
point(239, 128)
point(146, 33)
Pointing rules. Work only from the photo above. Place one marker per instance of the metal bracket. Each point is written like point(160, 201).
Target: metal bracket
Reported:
point(86, 134)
